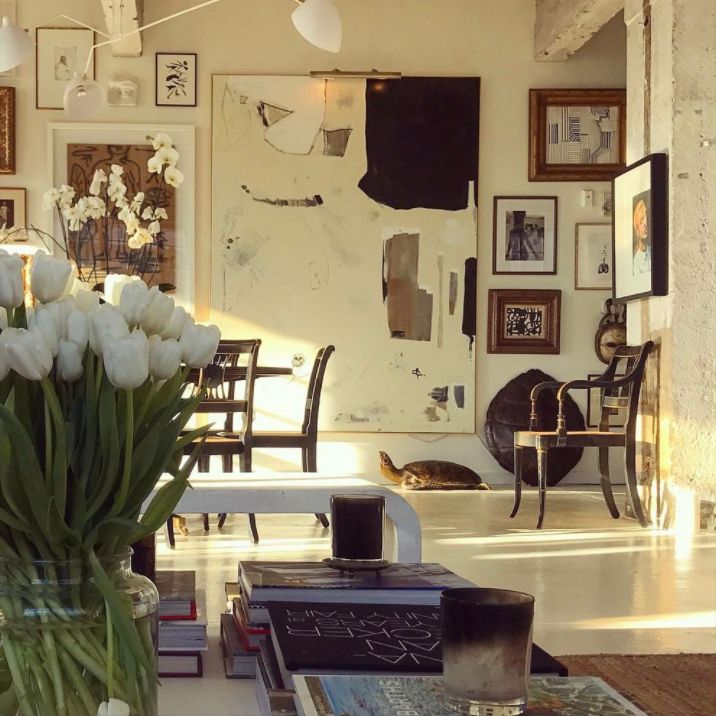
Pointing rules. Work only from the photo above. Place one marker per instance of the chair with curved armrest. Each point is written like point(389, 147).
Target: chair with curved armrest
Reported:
point(618, 394)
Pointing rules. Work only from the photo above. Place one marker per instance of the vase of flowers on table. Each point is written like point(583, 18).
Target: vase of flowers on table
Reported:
point(93, 411)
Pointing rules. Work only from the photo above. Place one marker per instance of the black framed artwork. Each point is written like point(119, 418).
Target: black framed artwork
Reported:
point(176, 79)
point(640, 230)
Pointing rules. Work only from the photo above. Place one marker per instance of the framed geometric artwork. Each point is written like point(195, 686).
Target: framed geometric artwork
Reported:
point(61, 51)
point(524, 235)
point(593, 260)
point(12, 211)
point(523, 321)
point(594, 406)
point(7, 130)
point(640, 230)
point(577, 135)
point(176, 79)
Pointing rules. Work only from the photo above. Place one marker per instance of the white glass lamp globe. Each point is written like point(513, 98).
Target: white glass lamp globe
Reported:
point(83, 98)
point(15, 45)
point(318, 22)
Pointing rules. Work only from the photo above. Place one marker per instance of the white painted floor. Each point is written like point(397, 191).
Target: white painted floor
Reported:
point(601, 585)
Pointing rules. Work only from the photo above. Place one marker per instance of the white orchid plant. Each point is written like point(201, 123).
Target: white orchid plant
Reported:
point(93, 411)
point(84, 218)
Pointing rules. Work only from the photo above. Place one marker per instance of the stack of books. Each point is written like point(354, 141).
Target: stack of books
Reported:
point(182, 624)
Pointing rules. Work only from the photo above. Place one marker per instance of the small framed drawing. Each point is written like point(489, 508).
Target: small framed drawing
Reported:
point(7, 130)
point(524, 235)
point(176, 79)
point(523, 321)
point(594, 406)
point(61, 51)
point(577, 135)
point(640, 230)
point(593, 264)
point(12, 212)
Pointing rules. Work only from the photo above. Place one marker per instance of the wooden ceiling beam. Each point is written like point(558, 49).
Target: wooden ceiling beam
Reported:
point(122, 17)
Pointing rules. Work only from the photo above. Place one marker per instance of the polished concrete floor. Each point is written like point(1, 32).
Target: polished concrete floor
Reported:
point(601, 585)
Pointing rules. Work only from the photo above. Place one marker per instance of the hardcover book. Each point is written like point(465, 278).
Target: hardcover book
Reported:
point(251, 636)
point(184, 635)
point(316, 582)
point(239, 663)
point(180, 664)
point(177, 594)
point(424, 696)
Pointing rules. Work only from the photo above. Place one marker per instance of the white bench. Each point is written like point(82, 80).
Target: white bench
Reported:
point(292, 492)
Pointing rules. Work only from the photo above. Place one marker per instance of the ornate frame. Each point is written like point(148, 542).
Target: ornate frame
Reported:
point(7, 130)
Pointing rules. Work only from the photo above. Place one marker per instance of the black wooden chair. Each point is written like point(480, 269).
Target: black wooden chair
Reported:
point(618, 394)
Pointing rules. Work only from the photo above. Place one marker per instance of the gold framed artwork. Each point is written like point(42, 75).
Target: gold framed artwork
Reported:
point(60, 52)
point(577, 134)
point(524, 321)
point(593, 257)
point(7, 130)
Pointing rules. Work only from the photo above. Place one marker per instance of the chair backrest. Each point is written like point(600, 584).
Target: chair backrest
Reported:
point(315, 386)
point(626, 397)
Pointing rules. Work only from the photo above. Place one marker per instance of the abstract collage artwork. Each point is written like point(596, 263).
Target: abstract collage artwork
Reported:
point(344, 211)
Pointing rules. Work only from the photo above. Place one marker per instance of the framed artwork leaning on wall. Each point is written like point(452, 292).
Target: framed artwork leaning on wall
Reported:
point(577, 134)
point(641, 230)
point(524, 321)
point(7, 130)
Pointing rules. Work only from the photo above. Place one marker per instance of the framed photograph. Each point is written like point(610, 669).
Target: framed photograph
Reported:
point(577, 135)
point(523, 321)
point(76, 150)
point(176, 79)
point(7, 130)
point(524, 235)
point(594, 406)
point(640, 230)
point(593, 262)
point(13, 207)
point(61, 51)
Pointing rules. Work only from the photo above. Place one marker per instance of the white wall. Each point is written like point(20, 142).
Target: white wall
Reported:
point(488, 38)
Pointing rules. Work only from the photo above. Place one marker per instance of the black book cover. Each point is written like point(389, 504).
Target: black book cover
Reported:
point(333, 638)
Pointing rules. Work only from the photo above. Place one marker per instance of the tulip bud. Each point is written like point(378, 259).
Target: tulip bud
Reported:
point(26, 352)
point(46, 321)
point(69, 362)
point(113, 285)
point(78, 328)
point(133, 300)
point(11, 289)
point(176, 323)
point(126, 360)
point(158, 311)
point(106, 322)
point(164, 357)
point(49, 277)
point(113, 707)
point(199, 344)
point(86, 301)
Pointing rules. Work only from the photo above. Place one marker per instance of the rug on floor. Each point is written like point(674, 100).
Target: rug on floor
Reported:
point(659, 684)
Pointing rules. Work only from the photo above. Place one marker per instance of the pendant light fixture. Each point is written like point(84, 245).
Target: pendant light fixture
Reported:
point(16, 45)
point(83, 97)
point(318, 22)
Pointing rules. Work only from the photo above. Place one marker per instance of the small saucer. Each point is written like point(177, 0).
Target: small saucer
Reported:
point(357, 565)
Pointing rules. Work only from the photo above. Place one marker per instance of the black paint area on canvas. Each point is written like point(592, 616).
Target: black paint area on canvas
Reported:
point(469, 305)
point(422, 142)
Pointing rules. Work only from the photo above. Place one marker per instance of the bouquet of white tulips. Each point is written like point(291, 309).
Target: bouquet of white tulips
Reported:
point(93, 410)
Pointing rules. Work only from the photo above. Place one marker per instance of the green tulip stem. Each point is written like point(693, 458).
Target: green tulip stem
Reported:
point(10, 315)
point(128, 446)
point(48, 445)
point(18, 680)
point(110, 652)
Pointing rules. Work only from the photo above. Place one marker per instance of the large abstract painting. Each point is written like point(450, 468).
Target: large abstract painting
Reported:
point(344, 212)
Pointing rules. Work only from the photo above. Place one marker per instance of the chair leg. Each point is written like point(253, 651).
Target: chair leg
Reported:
point(205, 519)
point(606, 482)
point(518, 480)
point(542, 482)
point(632, 483)
point(253, 528)
point(310, 464)
point(170, 531)
point(222, 519)
point(245, 465)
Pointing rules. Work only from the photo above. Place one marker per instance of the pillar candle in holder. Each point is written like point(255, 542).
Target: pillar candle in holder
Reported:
point(357, 522)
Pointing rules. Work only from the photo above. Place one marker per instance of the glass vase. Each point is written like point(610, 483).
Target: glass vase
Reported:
point(63, 651)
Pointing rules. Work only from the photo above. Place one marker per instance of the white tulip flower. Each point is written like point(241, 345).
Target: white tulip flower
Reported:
point(26, 352)
point(173, 177)
point(12, 292)
point(199, 344)
point(46, 321)
point(3, 318)
point(105, 324)
point(113, 285)
point(132, 302)
point(126, 360)
point(164, 357)
point(78, 329)
point(69, 362)
point(175, 325)
point(49, 277)
point(86, 301)
point(162, 141)
point(158, 312)
point(113, 707)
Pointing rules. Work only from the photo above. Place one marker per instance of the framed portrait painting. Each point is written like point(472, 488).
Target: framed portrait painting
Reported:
point(176, 79)
point(7, 130)
point(523, 321)
point(524, 235)
point(61, 51)
point(640, 230)
point(12, 212)
point(593, 261)
point(577, 134)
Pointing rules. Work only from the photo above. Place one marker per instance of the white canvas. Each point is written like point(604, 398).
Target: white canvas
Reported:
point(302, 275)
